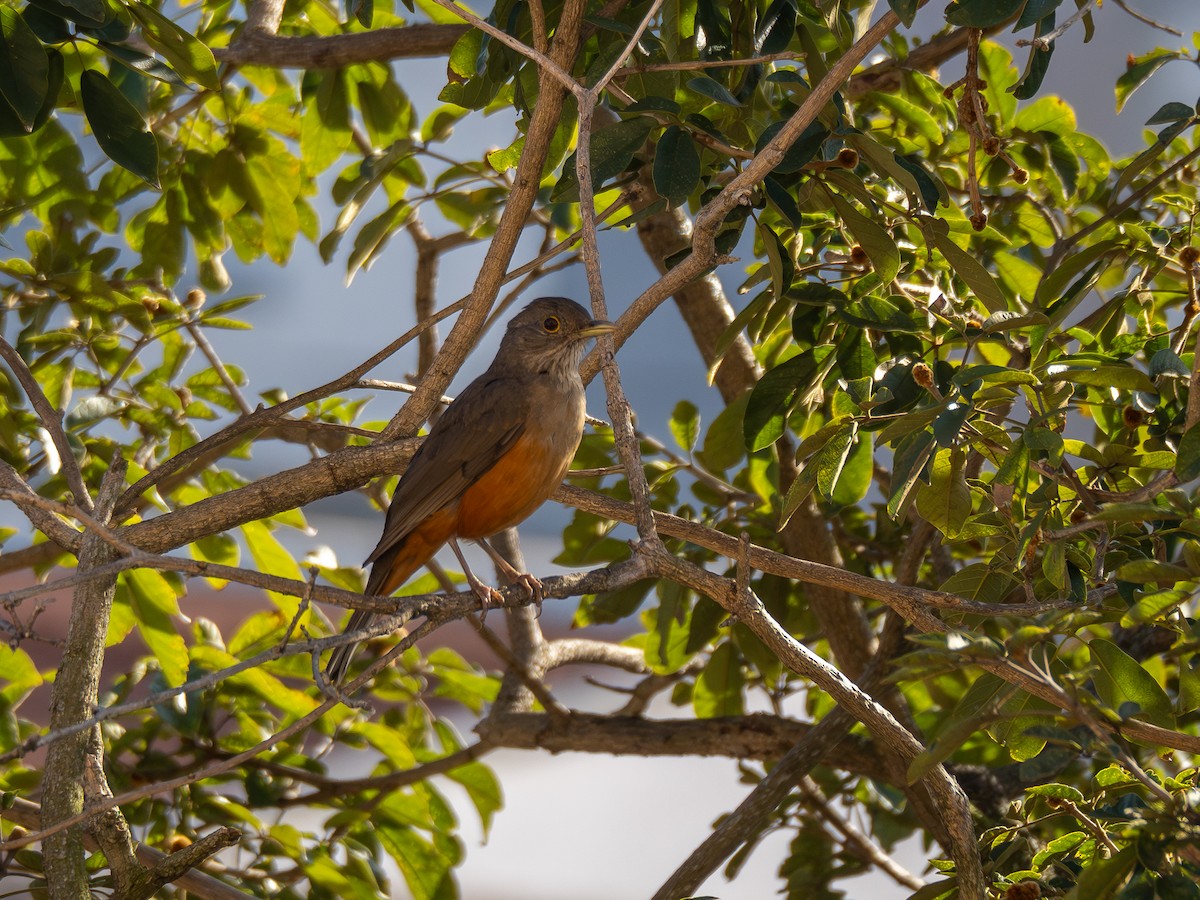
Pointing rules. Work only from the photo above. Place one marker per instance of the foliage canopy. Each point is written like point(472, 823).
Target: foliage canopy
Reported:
point(956, 461)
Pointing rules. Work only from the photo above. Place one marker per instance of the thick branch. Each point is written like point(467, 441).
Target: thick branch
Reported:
point(756, 736)
point(257, 48)
point(73, 699)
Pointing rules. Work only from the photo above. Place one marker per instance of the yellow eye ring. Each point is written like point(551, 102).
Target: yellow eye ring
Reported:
point(551, 324)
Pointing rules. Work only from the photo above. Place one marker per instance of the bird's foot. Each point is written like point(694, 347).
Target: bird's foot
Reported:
point(532, 584)
point(489, 597)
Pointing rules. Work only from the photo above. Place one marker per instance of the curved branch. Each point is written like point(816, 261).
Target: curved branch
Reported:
point(259, 48)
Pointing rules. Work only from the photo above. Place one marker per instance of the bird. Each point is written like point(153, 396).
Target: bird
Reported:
point(493, 457)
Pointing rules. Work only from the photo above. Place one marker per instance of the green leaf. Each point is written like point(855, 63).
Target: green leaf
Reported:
point(779, 260)
point(775, 28)
point(1152, 571)
point(1140, 71)
point(685, 424)
point(24, 67)
point(1056, 791)
point(1120, 680)
point(483, 789)
point(907, 468)
point(676, 165)
point(426, 870)
point(905, 9)
point(188, 54)
point(1103, 877)
point(1188, 465)
point(973, 272)
point(872, 237)
point(946, 501)
point(772, 397)
point(141, 63)
point(612, 151)
point(1189, 683)
point(724, 442)
point(718, 690)
point(982, 13)
point(713, 89)
point(154, 605)
point(981, 582)
point(18, 675)
point(119, 128)
point(272, 559)
point(604, 609)
point(1124, 378)
point(325, 125)
point(373, 237)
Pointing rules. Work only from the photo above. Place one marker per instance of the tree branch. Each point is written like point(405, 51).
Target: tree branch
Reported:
point(73, 699)
point(335, 51)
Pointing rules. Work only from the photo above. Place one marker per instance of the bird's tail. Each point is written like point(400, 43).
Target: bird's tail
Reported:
point(388, 572)
point(335, 669)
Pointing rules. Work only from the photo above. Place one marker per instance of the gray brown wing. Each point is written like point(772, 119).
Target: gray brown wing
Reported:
point(472, 435)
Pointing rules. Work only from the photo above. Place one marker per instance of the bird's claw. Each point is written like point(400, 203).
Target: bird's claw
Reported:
point(531, 583)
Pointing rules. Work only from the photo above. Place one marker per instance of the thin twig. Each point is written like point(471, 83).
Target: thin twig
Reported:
point(51, 420)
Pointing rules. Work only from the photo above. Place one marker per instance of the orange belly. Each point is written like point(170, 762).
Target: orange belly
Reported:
point(511, 489)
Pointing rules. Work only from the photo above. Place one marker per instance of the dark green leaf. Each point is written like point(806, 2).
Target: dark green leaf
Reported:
point(804, 150)
point(912, 453)
point(362, 10)
point(676, 165)
point(11, 126)
point(930, 195)
point(713, 89)
point(905, 9)
point(50, 28)
point(880, 313)
point(1120, 679)
point(949, 423)
point(24, 68)
point(612, 150)
point(772, 397)
point(718, 690)
point(982, 13)
point(1034, 74)
point(775, 27)
point(85, 12)
point(1166, 361)
point(782, 200)
point(1188, 465)
point(1035, 11)
point(120, 129)
point(1171, 112)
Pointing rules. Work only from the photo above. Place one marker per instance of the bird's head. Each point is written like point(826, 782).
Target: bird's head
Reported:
point(550, 334)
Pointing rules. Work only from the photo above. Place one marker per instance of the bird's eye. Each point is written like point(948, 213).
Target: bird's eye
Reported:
point(551, 324)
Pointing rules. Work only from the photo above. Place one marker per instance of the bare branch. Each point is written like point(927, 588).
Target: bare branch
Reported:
point(51, 420)
point(420, 41)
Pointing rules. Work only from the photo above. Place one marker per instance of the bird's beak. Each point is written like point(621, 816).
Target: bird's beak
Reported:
point(596, 327)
